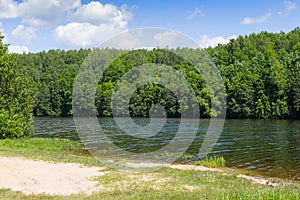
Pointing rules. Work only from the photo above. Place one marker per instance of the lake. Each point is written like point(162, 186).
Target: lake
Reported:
point(267, 147)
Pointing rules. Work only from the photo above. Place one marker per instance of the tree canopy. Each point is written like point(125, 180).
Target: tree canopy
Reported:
point(261, 73)
point(16, 103)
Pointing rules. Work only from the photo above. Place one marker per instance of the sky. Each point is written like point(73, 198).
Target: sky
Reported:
point(37, 25)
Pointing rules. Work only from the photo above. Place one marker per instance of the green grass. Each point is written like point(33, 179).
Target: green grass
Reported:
point(49, 149)
point(165, 183)
point(214, 162)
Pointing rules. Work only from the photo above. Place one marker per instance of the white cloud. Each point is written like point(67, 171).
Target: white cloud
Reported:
point(261, 19)
point(205, 41)
point(195, 13)
point(172, 39)
point(8, 9)
point(3, 34)
point(18, 49)
point(36, 12)
point(97, 14)
point(76, 24)
point(165, 38)
point(150, 38)
point(288, 7)
point(127, 40)
point(80, 25)
point(1, 29)
point(91, 24)
point(84, 34)
point(43, 13)
point(23, 34)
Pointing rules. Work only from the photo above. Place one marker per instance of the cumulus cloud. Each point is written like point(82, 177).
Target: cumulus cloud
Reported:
point(8, 9)
point(91, 24)
point(43, 13)
point(97, 14)
point(128, 40)
point(37, 13)
point(195, 13)
point(23, 34)
point(261, 19)
point(1, 28)
point(150, 38)
point(2, 32)
point(165, 38)
point(76, 24)
point(288, 7)
point(172, 39)
point(18, 49)
point(205, 41)
point(84, 34)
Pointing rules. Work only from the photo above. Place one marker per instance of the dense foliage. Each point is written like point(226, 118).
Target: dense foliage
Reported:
point(53, 73)
point(16, 101)
point(145, 96)
point(261, 74)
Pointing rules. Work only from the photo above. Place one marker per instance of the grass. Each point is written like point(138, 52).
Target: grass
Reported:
point(214, 162)
point(165, 183)
point(48, 149)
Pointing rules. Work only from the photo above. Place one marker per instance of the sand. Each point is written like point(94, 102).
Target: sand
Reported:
point(38, 177)
point(194, 167)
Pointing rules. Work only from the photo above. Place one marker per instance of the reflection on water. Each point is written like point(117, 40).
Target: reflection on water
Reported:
point(271, 147)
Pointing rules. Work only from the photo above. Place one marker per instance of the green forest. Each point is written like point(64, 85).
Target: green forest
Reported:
point(261, 73)
point(16, 102)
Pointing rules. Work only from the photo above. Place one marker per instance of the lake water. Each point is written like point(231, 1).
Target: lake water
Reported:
point(267, 147)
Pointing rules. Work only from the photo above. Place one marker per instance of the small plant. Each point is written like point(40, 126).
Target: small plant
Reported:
point(186, 157)
point(247, 173)
point(169, 155)
point(214, 162)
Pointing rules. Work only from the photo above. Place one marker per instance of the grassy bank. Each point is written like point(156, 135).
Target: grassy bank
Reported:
point(164, 183)
point(49, 149)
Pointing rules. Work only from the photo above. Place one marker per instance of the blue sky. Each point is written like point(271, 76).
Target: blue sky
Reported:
point(36, 25)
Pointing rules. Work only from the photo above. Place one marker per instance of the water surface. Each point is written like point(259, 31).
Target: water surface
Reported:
point(270, 147)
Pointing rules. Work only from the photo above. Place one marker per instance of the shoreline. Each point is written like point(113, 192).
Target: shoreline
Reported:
point(63, 178)
point(172, 182)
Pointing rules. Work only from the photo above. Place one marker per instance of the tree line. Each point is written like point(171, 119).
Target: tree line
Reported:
point(261, 74)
